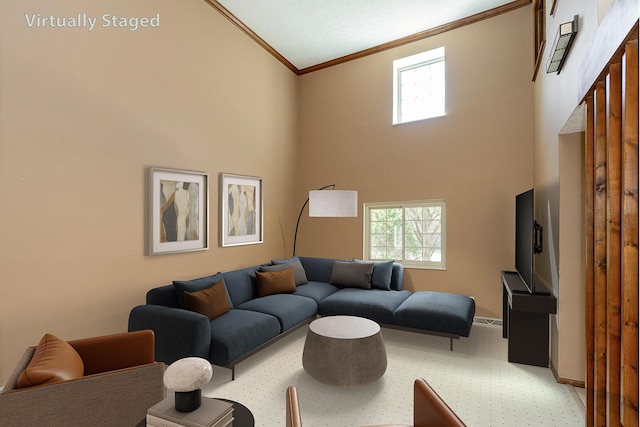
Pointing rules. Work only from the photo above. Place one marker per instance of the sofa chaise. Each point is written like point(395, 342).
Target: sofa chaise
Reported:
point(229, 316)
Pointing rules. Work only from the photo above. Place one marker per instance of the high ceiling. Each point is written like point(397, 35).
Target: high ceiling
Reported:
point(305, 33)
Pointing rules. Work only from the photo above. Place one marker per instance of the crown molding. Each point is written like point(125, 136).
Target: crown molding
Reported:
point(516, 4)
point(252, 35)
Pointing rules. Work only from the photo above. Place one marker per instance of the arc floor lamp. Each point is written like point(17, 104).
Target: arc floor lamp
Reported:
point(333, 203)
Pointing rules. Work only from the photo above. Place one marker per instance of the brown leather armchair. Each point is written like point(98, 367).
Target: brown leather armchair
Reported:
point(118, 381)
point(293, 408)
point(429, 410)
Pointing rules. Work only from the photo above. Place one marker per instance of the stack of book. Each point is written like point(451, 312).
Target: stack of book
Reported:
point(212, 413)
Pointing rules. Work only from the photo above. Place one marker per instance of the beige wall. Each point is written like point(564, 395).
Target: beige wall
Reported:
point(568, 337)
point(83, 115)
point(559, 185)
point(478, 157)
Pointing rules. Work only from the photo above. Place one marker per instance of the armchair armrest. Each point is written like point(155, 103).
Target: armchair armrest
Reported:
point(118, 351)
point(114, 398)
point(178, 333)
point(429, 409)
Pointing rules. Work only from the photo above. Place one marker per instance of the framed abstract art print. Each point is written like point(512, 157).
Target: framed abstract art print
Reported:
point(179, 211)
point(240, 210)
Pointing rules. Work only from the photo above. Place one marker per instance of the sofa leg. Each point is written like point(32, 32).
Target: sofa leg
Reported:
point(233, 373)
point(450, 344)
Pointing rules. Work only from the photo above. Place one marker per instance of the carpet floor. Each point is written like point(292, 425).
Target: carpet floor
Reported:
point(475, 379)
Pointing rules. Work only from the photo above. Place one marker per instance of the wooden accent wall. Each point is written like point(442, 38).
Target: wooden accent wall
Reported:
point(611, 180)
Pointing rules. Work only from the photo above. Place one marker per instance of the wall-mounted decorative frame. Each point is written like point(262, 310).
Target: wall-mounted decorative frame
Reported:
point(240, 210)
point(178, 211)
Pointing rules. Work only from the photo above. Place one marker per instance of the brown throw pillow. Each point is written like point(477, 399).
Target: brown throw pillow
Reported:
point(299, 275)
point(275, 282)
point(211, 302)
point(53, 361)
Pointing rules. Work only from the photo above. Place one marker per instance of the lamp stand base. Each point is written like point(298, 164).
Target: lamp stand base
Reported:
point(188, 401)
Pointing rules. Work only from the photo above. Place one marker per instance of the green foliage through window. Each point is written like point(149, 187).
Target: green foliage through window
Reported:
point(411, 233)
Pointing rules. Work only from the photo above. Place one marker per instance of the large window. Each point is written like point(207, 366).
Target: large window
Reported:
point(419, 86)
point(411, 233)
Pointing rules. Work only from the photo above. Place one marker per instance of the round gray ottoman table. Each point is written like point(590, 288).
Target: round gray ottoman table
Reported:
point(345, 351)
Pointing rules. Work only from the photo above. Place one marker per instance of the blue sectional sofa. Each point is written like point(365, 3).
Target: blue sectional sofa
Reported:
point(263, 303)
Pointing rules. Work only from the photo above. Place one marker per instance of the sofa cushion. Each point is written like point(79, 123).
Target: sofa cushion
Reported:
point(347, 274)
point(212, 302)
point(397, 277)
point(316, 290)
point(374, 304)
point(437, 311)
point(290, 310)
point(275, 282)
point(238, 332)
point(318, 269)
point(194, 285)
point(298, 270)
point(381, 276)
point(54, 360)
point(241, 284)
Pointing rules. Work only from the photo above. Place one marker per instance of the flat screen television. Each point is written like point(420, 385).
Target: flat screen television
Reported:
point(525, 238)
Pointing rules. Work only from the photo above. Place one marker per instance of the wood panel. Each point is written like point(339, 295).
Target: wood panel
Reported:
point(611, 229)
point(589, 263)
point(630, 237)
point(600, 255)
point(614, 247)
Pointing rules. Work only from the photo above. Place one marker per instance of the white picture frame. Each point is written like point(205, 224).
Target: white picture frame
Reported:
point(241, 203)
point(178, 211)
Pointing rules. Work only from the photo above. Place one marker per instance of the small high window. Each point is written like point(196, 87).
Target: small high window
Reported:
point(419, 86)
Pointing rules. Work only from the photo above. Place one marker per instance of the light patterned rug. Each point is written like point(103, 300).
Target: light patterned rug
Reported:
point(475, 379)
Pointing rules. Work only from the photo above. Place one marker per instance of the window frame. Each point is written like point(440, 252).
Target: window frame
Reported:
point(418, 60)
point(539, 34)
point(431, 265)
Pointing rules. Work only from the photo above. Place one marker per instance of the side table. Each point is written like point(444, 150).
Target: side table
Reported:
point(242, 416)
point(345, 351)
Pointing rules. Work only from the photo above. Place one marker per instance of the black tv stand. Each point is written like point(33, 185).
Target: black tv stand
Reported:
point(543, 292)
point(525, 320)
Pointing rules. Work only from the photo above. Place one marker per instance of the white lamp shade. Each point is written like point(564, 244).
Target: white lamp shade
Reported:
point(333, 203)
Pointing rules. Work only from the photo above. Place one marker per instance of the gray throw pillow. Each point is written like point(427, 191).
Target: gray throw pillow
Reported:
point(299, 275)
point(347, 274)
point(381, 276)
